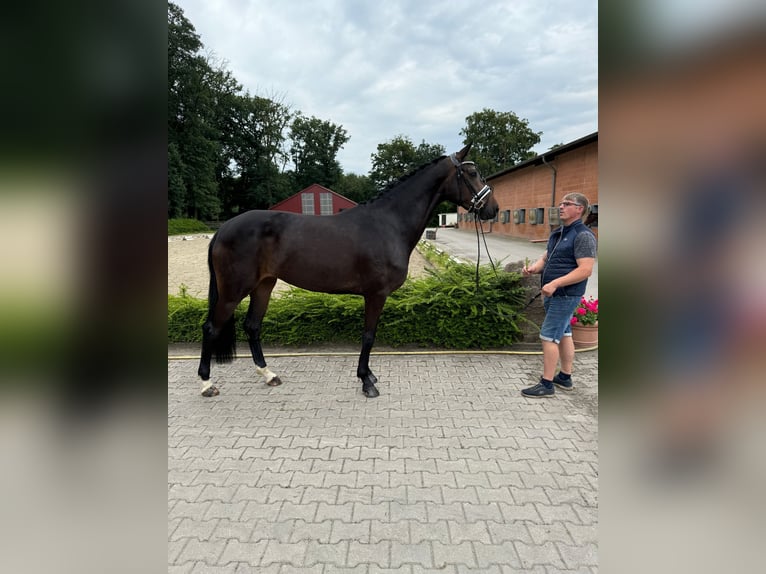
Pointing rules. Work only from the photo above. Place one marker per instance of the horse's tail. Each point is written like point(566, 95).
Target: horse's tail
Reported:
point(223, 344)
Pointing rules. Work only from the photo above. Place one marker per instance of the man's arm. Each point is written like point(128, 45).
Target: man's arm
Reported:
point(583, 270)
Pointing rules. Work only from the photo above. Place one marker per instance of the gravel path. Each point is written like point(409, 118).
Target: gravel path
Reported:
point(187, 265)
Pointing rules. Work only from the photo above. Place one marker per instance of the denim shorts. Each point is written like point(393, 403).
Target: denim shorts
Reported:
point(558, 313)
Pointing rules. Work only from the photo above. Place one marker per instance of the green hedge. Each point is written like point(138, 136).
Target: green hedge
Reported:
point(184, 226)
point(444, 309)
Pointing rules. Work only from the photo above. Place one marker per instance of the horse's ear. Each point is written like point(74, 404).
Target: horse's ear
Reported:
point(464, 152)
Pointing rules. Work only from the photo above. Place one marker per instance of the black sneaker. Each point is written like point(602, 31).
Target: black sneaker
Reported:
point(539, 391)
point(567, 385)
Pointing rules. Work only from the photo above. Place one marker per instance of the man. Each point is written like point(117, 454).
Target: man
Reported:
point(565, 268)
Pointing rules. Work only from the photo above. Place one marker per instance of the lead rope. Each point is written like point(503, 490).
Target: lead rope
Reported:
point(478, 225)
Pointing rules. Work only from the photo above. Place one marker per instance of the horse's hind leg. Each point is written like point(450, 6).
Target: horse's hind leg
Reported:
point(259, 302)
point(219, 339)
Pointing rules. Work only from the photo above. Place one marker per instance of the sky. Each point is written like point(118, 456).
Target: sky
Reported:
point(382, 69)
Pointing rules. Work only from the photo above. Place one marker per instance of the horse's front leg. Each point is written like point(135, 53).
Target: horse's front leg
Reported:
point(373, 306)
point(259, 302)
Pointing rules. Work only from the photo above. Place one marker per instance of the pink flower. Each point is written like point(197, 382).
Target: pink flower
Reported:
point(586, 312)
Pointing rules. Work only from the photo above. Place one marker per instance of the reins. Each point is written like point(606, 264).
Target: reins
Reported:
point(478, 225)
point(524, 308)
point(478, 199)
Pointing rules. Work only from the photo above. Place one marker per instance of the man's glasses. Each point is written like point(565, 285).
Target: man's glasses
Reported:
point(568, 203)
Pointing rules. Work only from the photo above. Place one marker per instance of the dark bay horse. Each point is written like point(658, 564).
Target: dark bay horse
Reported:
point(363, 251)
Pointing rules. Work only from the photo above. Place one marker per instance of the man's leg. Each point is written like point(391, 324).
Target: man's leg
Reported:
point(550, 358)
point(558, 312)
point(566, 354)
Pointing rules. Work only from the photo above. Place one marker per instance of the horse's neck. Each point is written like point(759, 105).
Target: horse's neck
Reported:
point(411, 204)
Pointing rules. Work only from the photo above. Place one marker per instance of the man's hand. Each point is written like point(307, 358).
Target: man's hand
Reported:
point(548, 289)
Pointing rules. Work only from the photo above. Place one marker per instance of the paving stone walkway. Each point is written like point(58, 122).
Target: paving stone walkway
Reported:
point(450, 470)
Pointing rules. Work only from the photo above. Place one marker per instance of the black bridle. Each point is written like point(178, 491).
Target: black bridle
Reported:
point(478, 198)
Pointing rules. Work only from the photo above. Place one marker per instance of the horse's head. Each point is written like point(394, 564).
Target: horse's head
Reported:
point(470, 191)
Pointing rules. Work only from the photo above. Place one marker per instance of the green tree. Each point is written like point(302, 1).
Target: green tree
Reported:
point(426, 153)
point(176, 185)
point(314, 150)
point(196, 92)
point(500, 140)
point(183, 45)
point(253, 136)
point(227, 150)
point(358, 188)
point(399, 157)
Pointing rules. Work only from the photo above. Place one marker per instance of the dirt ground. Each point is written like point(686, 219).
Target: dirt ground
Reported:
point(187, 265)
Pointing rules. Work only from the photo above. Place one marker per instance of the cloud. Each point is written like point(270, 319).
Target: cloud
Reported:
point(395, 68)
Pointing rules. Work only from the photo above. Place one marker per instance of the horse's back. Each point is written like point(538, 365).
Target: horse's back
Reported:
point(244, 225)
point(284, 228)
point(333, 253)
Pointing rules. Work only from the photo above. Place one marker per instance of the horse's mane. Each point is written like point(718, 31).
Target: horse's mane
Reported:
point(402, 179)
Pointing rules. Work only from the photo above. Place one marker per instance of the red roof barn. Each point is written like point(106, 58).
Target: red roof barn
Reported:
point(314, 200)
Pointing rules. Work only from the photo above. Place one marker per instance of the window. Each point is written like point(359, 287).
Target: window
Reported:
point(325, 203)
point(519, 215)
point(307, 204)
point(536, 215)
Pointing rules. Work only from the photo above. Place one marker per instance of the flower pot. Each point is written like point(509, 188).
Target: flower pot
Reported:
point(584, 336)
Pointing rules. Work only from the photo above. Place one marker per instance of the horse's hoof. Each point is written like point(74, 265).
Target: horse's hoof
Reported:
point(211, 391)
point(275, 382)
point(370, 392)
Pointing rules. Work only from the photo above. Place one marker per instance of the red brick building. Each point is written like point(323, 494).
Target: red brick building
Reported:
point(529, 193)
point(315, 200)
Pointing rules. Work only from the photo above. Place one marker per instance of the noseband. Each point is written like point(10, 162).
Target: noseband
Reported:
point(478, 198)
